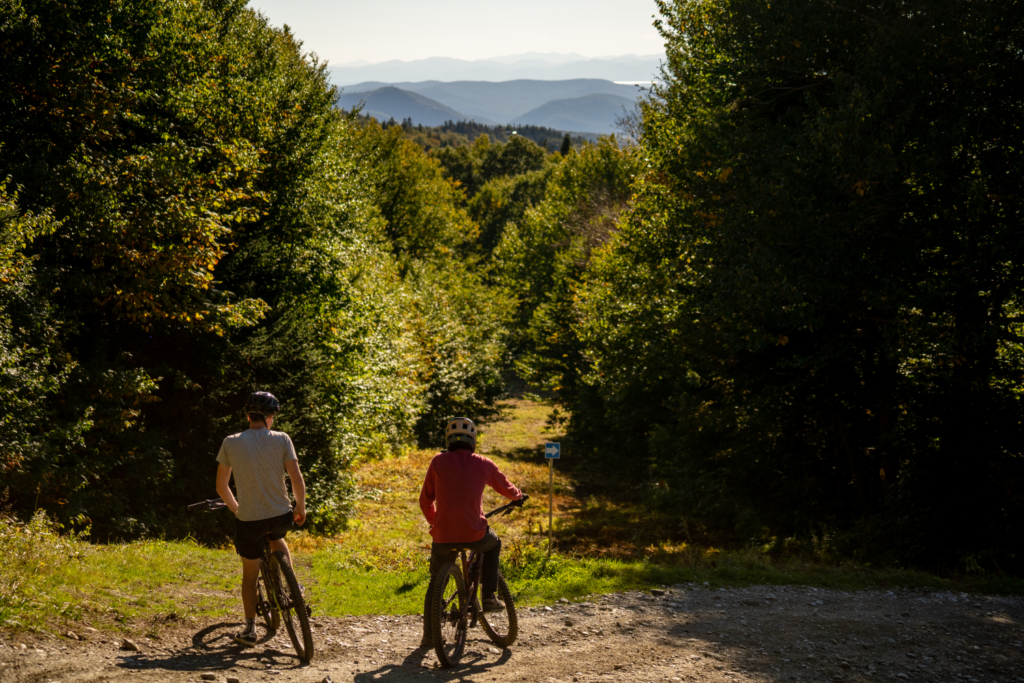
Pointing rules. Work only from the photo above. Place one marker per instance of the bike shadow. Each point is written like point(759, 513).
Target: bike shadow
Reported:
point(214, 650)
point(473, 662)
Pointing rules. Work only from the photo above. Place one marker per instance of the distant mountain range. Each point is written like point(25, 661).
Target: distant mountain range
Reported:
point(387, 103)
point(590, 113)
point(578, 105)
point(531, 65)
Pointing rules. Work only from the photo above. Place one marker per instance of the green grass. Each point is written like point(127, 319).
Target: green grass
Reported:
point(520, 431)
point(50, 579)
point(536, 579)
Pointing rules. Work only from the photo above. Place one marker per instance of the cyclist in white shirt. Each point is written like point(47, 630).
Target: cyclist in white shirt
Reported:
point(259, 459)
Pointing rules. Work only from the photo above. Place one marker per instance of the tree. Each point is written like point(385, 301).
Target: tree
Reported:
point(210, 234)
point(566, 145)
point(821, 262)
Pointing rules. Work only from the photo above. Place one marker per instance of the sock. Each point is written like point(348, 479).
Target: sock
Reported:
point(250, 625)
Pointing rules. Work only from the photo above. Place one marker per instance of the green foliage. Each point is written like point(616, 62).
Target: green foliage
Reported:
point(457, 321)
point(821, 261)
point(31, 366)
point(473, 166)
point(542, 256)
point(459, 133)
point(196, 221)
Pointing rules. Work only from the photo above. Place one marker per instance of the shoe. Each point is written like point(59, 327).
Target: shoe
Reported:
point(426, 642)
point(492, 604)
point(246, 638)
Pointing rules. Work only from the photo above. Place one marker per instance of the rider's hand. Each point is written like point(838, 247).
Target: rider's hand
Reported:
point(299, 514)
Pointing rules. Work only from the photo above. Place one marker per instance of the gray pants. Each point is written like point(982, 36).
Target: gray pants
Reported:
point(440, 553)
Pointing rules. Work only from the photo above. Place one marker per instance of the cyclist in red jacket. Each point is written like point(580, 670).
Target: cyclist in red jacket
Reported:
point(452, 502)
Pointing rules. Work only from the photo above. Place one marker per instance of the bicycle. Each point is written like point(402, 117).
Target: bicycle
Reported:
point(454, 603)
point(276, 599)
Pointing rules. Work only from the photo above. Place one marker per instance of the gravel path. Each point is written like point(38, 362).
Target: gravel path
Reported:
point(689, 633)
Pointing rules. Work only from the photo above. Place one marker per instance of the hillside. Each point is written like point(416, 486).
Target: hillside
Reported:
point(505, 101)
point(389, 102)
point(590, 113)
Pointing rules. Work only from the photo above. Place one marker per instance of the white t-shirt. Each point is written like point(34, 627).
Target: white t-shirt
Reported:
point(256, 458)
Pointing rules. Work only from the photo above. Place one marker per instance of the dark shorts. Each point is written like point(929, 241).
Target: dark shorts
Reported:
point(249, 535)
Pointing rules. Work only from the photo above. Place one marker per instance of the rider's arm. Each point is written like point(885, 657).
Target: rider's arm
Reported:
point(223, 488)
point(500, 483)
point(298, 489)
point(427, 496)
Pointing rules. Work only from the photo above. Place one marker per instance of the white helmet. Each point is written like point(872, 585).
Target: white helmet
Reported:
point(460, 430)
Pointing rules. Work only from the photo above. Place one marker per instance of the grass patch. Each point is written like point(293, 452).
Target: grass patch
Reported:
point(539, 579)
point(519, 431)
point(535, 579)
point(51, 579)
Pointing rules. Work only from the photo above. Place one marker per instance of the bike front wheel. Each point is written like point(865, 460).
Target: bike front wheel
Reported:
point(265, 605)
point(294, 612)
point(501, 627)
point(448, 625)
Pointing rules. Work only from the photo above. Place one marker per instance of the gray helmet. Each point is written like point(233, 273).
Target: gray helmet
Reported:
point(262, 403)
point(460, 430)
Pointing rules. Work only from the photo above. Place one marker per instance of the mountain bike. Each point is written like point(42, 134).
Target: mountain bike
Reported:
point(455, 604)
point(278, 595)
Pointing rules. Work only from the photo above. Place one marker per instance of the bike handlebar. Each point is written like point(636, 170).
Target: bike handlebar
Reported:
point(218, 504)
point(211, 504)
point(507, 508)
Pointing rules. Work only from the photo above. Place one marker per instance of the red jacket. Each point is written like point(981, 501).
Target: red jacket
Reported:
point(456, 480)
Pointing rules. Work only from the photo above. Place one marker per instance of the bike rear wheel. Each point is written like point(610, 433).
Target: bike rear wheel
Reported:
point(294, 612)
point(501, 627)
point(448, 625)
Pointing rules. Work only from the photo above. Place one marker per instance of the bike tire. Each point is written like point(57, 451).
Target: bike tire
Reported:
point(448, 625)
point(293, 608)
point(501, 627)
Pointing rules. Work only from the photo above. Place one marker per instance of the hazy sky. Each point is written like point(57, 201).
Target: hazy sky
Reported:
point(378, 30)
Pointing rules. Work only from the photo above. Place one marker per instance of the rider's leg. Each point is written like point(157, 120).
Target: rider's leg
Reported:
point(279, 544)
point(490, 547)
point(440, 554)
point(250, 572)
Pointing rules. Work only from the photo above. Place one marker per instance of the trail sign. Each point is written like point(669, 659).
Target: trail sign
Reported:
point(552, 451)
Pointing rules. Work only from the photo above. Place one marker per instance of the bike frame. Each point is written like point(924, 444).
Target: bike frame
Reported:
point(472, 571)
point(273, 590)
point(473, 567)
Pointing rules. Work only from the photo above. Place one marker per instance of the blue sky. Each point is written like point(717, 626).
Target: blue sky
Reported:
point(349, 30)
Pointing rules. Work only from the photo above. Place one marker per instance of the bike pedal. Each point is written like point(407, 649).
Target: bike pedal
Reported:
point(263, 608)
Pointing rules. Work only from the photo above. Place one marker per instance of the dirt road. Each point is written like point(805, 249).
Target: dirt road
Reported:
point(691, 633)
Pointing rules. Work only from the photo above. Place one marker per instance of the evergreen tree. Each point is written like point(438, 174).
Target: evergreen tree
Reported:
point(566, 145)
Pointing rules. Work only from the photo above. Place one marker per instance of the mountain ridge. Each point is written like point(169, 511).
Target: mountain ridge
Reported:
point(594, 113)
point(506, 100)
point(390, 102)
point(538, 66)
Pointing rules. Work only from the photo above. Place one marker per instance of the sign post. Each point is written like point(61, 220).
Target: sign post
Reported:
point(552, 451)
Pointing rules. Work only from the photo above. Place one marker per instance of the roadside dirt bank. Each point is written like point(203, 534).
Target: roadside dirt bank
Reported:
point(690, 633)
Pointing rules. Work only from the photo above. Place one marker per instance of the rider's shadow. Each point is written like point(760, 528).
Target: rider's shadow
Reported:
point(213, 650)
point(471, 664)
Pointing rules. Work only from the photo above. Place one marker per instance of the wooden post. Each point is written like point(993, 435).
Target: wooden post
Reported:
point(551, 502)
